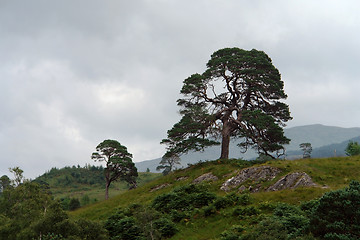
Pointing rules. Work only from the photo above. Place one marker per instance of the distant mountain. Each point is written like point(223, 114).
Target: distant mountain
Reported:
point(318, 135)
point(332, 150)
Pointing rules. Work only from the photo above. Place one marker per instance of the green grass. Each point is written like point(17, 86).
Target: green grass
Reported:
point(329, 174)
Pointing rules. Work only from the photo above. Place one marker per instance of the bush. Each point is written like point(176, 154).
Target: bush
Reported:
point(269, 229)
point(245, 211)
point(139, 222)
point(352, 149)
point(120, 226)
point(232, 234)
point(209, 210)
point(183, 199)
point(90, 230)
point(177, 216)
point(166, 227)
point(222, 202)
point(337, 214)
point(293, 219)
point(244, 199)
point(74, 204)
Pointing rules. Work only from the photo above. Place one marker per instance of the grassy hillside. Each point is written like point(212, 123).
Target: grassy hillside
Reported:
point(85, 182)
point(329, 174)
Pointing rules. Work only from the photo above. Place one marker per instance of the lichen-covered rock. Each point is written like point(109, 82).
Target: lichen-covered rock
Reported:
point(293, 180)
point(265, 173)
point(205, 177)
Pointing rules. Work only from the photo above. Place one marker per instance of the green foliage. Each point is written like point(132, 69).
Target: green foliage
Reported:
point(242, 212)
point(139, 222)
point(28, 212)
point(233, 233)
point(168, 161)
point(183, 198)
point(293, 219)
point(18, 175)
point(239, 95)
point(352, 149)
point(123, 227)
point(166, 227)
point(119, 164)
point(337, 215)
point(269, 229)
point(4, 182)
point(74, 204)
point(231, 199)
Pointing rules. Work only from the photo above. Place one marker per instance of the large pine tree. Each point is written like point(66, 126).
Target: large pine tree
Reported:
point(239, 95)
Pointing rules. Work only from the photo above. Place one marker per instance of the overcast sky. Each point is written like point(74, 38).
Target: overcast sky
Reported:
point(74, 73)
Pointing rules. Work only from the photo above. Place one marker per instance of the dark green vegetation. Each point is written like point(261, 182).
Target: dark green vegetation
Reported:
point(238, 96)
point(28, 211)
point(203, 211)
point(352, 149)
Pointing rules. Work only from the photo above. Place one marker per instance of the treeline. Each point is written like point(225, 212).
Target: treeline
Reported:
point(75, 175)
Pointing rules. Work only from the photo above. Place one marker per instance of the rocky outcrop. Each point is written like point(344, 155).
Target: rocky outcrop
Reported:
point(159, 187)
point(292, 180)
point(181, 178)
point(262, 173)
point(207, 177)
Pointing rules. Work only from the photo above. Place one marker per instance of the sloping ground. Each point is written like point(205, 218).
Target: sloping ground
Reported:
point(264, 190)
point(328, 174)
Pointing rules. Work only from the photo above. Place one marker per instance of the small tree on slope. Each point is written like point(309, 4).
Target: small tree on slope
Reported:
point(119, 164)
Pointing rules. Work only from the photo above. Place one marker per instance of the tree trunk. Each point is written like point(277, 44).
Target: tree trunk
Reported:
point(107, 185)
point(225, 141)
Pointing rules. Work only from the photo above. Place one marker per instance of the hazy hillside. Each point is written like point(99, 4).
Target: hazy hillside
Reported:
point(318, 135)
point(336, 149)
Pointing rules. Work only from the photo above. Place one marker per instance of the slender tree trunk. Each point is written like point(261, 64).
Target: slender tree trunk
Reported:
point(107, 185)
point(225, 141)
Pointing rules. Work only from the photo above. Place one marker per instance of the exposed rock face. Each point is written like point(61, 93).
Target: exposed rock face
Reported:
point(254, 173)
point(159, 187)
point(293, 180)
point(181, 178)
point(205, 177)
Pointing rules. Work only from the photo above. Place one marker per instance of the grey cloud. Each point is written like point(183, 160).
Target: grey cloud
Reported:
point(73, 73)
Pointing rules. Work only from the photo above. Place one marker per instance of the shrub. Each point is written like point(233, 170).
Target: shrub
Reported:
point(166, 227)
point(184, 198)
point(209, 210)
point(233, 233)
point(293, 219)
point(74, 204)
point(245, 211)
point(177, 216)
point(222, 202)
point(120, 226)
point(90, 230)
point(269, 229)
point(337, 215)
